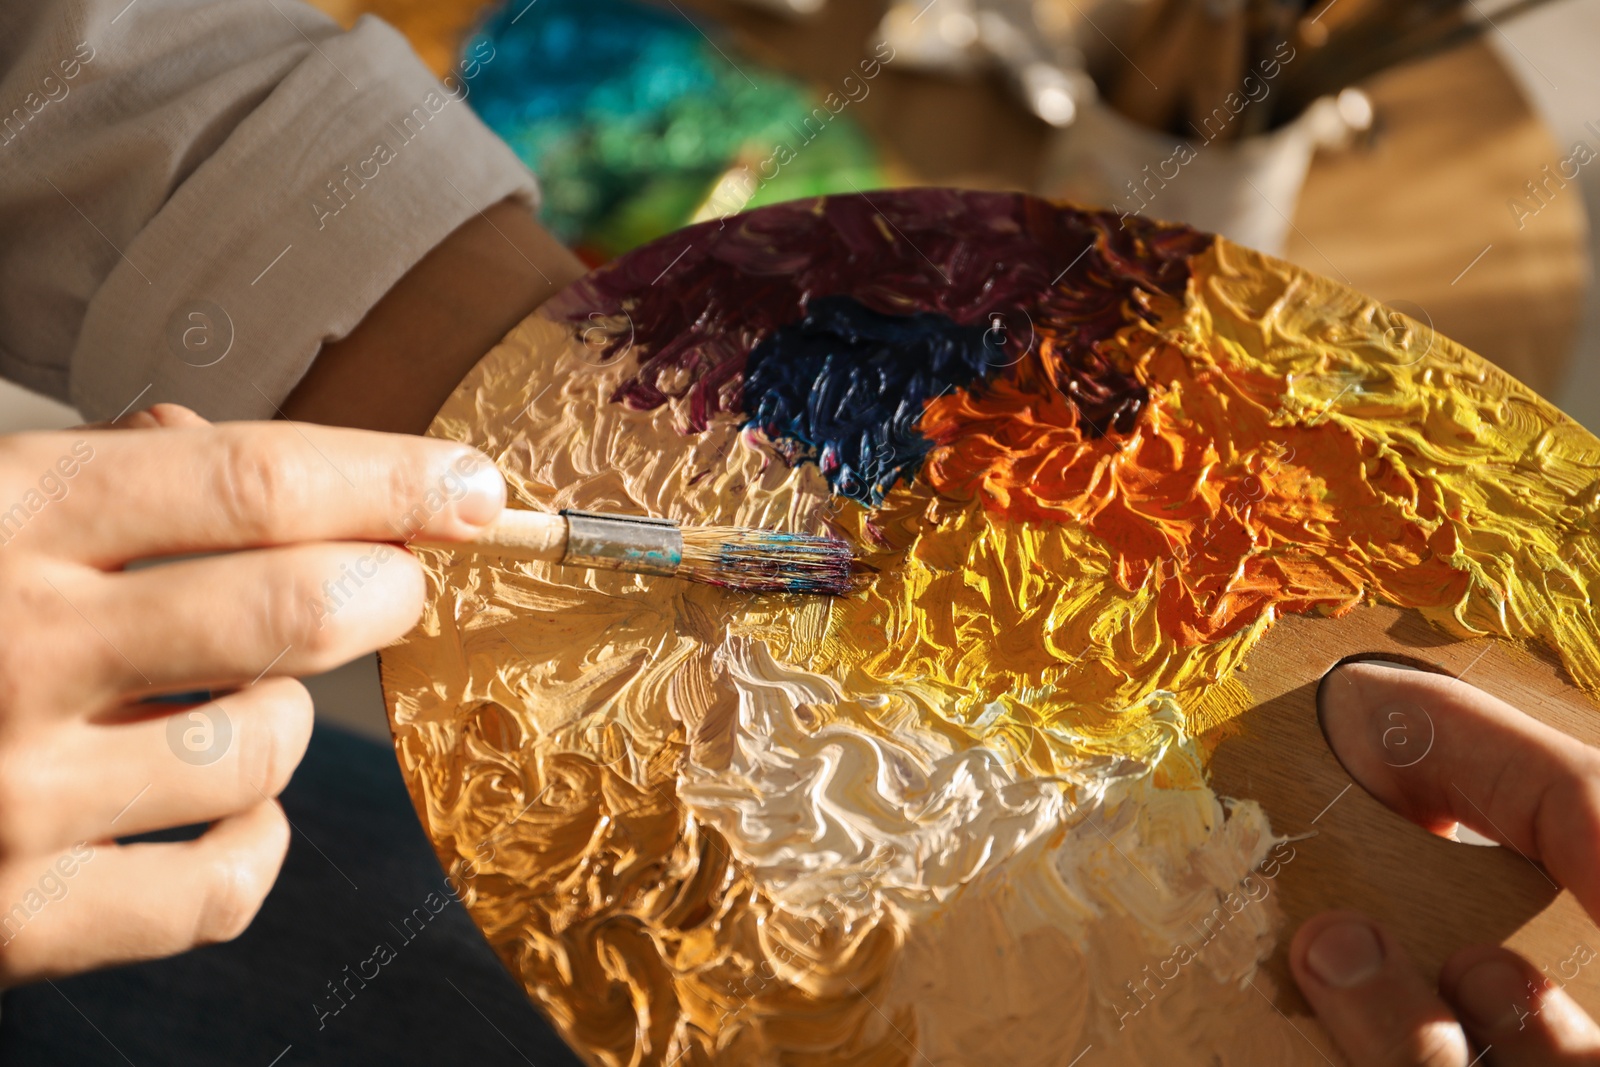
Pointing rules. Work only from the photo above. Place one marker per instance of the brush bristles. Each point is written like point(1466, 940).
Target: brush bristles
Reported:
point(760, 561)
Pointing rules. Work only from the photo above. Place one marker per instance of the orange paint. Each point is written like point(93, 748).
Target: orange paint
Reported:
point(1226, 510)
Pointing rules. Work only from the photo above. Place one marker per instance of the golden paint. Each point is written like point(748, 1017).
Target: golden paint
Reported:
point(954, 819)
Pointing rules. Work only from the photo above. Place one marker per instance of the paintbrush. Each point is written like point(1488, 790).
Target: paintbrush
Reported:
point(1201, 50)
point(1435, 28)
point(733, 557)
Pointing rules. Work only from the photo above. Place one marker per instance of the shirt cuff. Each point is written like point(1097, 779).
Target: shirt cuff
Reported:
point(353, 168)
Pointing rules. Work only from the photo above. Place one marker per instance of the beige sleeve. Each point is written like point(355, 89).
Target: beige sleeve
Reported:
point(195, 196)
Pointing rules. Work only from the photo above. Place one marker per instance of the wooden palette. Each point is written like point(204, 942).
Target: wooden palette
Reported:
point(1128, 492)
point(1435, 895)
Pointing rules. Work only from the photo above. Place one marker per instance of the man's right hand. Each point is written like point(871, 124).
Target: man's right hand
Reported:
point(307, 521)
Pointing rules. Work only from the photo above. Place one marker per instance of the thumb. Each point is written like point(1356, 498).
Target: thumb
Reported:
point(1442, 752)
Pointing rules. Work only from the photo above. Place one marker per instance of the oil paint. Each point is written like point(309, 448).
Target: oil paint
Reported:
point(961, 816)
point(637, 119)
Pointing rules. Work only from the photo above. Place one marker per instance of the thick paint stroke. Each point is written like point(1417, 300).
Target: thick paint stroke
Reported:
point(1071, 277)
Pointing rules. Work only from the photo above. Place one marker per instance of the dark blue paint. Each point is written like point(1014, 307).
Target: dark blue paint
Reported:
point(846, 386)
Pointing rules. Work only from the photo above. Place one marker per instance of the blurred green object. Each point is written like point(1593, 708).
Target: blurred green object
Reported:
point(632, 117)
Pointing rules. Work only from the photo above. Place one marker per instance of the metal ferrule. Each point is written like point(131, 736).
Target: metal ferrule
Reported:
point(639, 545)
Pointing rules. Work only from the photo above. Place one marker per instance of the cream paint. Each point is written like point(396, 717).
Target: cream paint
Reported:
point(1028, 904)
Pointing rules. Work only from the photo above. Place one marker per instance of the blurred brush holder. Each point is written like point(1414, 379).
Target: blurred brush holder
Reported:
point(961, 37)
point(1245, 190)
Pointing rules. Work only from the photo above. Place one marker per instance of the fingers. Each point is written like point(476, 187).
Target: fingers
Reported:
point(106, 498)
point(1370, 997)
point(1380, 1010)
point(227, 619)
point(309, 590)
point(156, 416)
point(177, 767)
point(1517, 1014)
point(98, 905)
point(1441, 752)
point(168, 416)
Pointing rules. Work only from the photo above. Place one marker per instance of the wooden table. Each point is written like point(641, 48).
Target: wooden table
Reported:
point(1402, 219)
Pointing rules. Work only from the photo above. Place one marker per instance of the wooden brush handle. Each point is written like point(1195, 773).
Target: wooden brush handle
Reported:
point(515, 535)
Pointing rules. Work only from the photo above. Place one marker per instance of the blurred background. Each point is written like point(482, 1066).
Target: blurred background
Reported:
point(1441, 156)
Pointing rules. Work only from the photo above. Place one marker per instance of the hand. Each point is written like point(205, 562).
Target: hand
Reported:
point(1539, 792)
point(310, 577)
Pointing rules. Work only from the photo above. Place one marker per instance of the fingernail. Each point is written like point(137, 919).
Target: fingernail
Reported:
point(1491, 994)
point(1346, 954)
point(486, 493)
